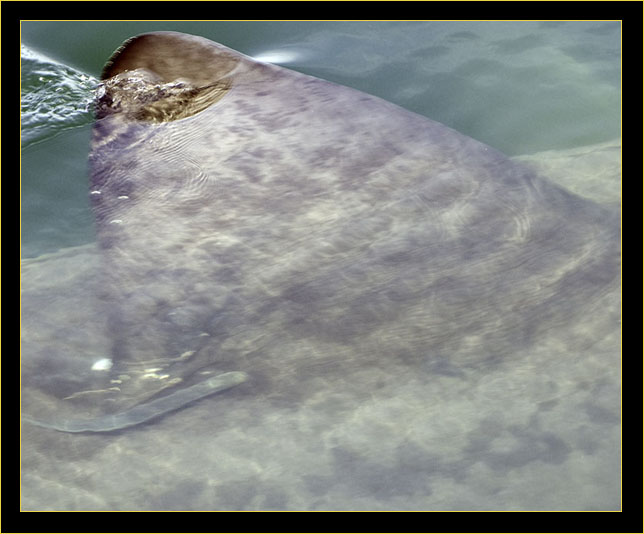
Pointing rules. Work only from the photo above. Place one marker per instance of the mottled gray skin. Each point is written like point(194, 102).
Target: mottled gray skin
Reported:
point(339, 216)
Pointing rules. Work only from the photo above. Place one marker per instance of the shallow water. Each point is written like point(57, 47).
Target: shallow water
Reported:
point(521, 87)
point(538, 432)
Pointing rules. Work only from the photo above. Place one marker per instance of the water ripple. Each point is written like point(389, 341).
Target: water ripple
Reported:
point(53, 97)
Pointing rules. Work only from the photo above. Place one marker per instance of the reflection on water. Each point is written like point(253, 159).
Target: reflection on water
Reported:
point(284, 56)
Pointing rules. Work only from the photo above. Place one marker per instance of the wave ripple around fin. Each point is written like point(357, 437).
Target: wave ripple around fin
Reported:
point(150, 410)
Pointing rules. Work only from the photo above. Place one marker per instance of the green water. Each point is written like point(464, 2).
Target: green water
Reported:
point(521, 87)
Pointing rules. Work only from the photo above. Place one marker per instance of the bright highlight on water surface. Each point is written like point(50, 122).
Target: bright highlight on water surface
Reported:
point(280, 57)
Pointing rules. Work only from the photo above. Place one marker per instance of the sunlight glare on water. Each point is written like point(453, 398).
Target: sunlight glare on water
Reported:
point(281, 56)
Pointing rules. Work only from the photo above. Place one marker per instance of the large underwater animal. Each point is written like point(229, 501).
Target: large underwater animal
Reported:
point(266, 234)
point(230, 193)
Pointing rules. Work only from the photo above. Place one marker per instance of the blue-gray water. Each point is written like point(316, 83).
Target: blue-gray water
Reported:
point(521, 87)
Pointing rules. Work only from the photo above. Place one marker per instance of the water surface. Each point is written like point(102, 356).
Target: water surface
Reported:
point(521, 87)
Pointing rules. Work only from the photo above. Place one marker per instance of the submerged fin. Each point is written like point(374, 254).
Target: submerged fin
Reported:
point(145, 412)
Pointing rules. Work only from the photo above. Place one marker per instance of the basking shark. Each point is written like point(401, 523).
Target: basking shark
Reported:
point(299, 247)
